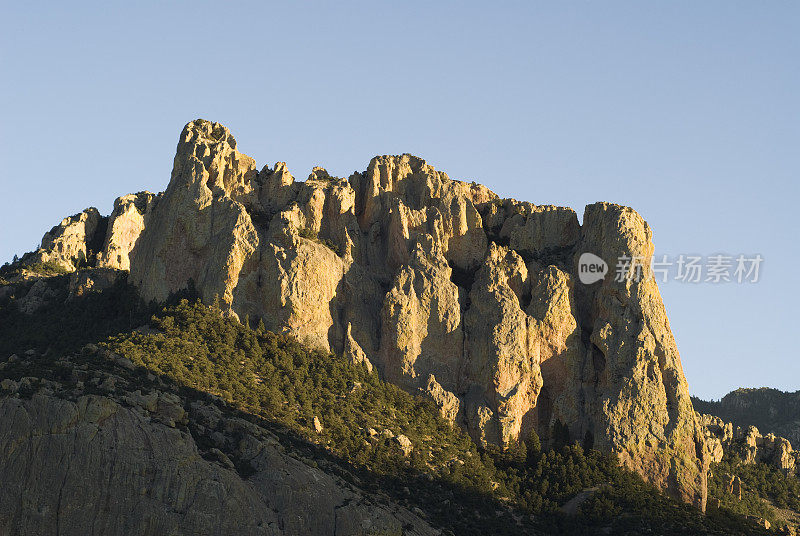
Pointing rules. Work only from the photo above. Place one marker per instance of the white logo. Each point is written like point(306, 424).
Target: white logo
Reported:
point(591, 268)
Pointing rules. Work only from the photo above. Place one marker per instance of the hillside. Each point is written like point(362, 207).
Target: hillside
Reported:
point(186, 397)
point(769, 410)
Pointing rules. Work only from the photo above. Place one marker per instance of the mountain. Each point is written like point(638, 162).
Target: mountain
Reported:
point(431, 287)
point(770, 410)
point(439, 284)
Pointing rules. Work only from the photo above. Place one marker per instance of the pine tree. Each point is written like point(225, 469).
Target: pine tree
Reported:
point(560, 435)
point(533, 445)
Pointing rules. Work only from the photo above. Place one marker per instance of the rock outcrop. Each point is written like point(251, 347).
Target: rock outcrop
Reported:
point(199, 230)
point(67, 245)
point(440, 285)
point(125, 224)
point(748, 443)
point(638, 398)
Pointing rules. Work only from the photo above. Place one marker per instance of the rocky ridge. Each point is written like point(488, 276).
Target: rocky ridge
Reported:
point(440, 285)
point(770, 410)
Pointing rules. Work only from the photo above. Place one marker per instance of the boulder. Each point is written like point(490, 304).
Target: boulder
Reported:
point(404, 443)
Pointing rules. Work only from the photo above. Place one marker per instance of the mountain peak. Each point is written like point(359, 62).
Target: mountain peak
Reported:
point(439, 284)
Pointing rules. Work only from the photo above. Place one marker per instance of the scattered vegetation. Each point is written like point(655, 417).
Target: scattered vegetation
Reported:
point(762, 485)
point(10, 271)
point(311, 235)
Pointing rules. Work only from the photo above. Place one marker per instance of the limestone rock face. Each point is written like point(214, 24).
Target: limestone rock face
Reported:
point(125, 224)
point(450, 406)
point(640, 406)
point(68, 243)
point(541, 229)
point(354, 351)
point(438, 284)
point(501, 368)
point(400, 198)
point(291, 288)
point(422, 326)
point(134, 468)
point(557, 347)
point(199, 230)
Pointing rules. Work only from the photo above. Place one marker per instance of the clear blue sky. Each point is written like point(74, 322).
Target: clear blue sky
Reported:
point(687, 111)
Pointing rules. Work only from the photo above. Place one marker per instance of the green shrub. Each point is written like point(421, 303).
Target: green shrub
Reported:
point(305, 232)
point(311, 235)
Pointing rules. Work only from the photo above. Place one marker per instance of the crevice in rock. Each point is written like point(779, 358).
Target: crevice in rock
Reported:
point(496, 238)
point(669, 383)
point(95, 244)
point(586, 335)
point(525, 300)
point(492, 231)
point(544, 412)
point(588, 440)
point(698, 448)
point(463, 278)
point(560, 256)
point(598, 361)
point(261, 218)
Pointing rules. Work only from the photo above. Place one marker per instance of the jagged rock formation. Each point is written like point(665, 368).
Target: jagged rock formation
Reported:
point(633, 383)
point(749, 443)
point(151, 462)
point(69, 243)
point(440, 285)
point(124, 227)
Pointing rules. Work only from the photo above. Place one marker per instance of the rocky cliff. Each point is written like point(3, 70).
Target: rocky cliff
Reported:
point(440, 285)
